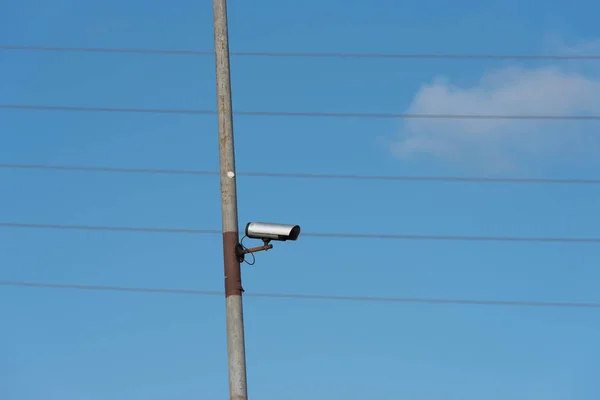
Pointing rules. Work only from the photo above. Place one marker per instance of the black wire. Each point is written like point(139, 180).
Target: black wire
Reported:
point(309, 54)
point(245, 248)
point(109, 228)
point(305, 296)
point(302, 114)
point(309, 234)
point(306, 175)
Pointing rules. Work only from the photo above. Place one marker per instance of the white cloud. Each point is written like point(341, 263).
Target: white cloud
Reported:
point(555, 44)
point(500, 144)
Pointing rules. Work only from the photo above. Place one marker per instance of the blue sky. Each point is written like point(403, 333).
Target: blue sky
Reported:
point(72, 345)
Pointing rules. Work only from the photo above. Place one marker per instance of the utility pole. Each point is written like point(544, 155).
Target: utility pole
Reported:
point(233, 277)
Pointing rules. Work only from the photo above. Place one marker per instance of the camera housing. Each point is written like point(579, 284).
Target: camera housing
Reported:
point(267, 231)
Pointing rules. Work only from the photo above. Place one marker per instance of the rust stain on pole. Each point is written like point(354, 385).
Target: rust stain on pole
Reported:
point(233, 276)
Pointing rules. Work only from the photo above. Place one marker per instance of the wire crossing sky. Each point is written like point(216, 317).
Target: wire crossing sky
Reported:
point(303, 296)
point(308, 234)
point(553, 57)
point(307, 176)
point(302, 113)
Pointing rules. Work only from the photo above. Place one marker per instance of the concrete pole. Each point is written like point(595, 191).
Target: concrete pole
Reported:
point(233, 281)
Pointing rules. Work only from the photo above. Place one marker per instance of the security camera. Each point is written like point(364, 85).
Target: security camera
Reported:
point(267, 232)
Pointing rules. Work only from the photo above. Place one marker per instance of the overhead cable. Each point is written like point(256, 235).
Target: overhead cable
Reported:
point(308, 234)
point(288, 54)
point(417, 300)
point(300, 113)
point(159, 171)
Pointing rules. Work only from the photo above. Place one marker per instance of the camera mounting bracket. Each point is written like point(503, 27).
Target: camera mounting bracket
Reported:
point(241, 251)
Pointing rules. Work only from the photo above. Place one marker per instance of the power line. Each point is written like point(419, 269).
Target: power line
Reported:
point(109, 228)
point(305, 175)
point(454, 238)
point(110, 169)
point(301, 114)
point(309, 54)
point(309, 234)
point(105, 109)
point(106, 50)
point(109, 288)
point(304, 296)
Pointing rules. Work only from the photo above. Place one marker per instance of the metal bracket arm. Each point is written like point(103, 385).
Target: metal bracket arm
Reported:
point(240, 251)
